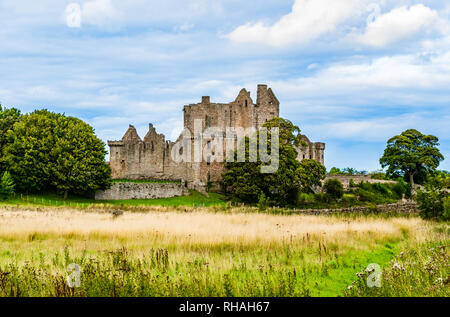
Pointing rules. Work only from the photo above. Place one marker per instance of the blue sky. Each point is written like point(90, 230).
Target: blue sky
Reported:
point(349, 73)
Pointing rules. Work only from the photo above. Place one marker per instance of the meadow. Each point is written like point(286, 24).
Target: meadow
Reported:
point(214, 251)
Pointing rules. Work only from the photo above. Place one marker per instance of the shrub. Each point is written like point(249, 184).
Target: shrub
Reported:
point(352, 183)
point(349, 198)
point(334, 188)
point(379, 175)
point(433, 199)
point(6, 186)
point(263, 202)
point(366, 196)
point(380, 188)
point(446, 214)
point(305, 198)
point(400, 188)
point(322, 198)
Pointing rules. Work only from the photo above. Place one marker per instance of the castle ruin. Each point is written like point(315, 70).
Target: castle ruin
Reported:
point(150, 158)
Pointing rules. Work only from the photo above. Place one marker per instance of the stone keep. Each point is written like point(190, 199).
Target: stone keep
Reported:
point(150, 158)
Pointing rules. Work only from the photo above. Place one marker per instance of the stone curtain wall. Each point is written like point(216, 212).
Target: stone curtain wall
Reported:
point(129, 190)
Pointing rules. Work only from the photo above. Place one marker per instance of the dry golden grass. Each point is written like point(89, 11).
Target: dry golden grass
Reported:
point(201, 227)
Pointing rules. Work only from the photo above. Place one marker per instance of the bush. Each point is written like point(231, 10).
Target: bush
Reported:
point(334, 188)
point(263, 202)
point(433, 199)
point(400, 188)
point(349, 198)
point(322, 198)
point(305, 198)
point(366, 196)
point(446, 214)
point(352, 183)
point(6, 186)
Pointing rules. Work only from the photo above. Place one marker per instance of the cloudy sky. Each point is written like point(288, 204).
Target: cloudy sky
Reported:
point(350, 73)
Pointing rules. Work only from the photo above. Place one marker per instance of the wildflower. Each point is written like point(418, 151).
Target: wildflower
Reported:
point(350, 287)
point(439, 281)
point(397, 266)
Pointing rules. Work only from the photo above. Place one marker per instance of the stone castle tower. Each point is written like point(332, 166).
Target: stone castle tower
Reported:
point(151, 158)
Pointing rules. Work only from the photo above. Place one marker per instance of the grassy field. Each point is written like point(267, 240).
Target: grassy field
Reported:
point(206, 252)
point(194, 199)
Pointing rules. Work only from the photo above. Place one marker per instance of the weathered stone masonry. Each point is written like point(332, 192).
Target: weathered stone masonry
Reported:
point(150, 158)
point(130, 190)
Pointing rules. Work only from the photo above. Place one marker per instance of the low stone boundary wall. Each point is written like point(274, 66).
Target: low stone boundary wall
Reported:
point(345, 179)
point(406, 207)
point(130, 190)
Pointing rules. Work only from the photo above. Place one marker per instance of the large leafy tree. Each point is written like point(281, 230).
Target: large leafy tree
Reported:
point(8, 117)
point(310, 173)
point(411, 153)
point(47, 150)
point(246, 181)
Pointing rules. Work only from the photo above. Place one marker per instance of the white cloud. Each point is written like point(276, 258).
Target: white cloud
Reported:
point(406, 74)
point(380, 129)
point(98, 12)
point(308, 20)
point(398, 24)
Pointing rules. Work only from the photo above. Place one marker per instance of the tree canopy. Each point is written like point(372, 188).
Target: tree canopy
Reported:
point(411, 153)
point(46, 150)
point(8, 117)
point(245, 181)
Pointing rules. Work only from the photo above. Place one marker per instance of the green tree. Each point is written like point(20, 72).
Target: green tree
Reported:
point(6, 186)
point(433, 199)
point(409, 153)
point(8, 117)
point(334, 171)
point(334, 188)
point(245, 181)
point(47, 150)
point(310, 174)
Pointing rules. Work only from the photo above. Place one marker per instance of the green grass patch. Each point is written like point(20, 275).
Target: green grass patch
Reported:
point(194, 199)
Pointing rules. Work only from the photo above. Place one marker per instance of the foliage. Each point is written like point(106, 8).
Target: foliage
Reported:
point(433, 198)
point(6, 186)
point(345, 171)
point(245, 181)
point(423, 270)
point(47, 150)
point(410, 153)
point(310, 173)
point(8, 117)
point(334, 188)
point(263, 202)
point(379, 175)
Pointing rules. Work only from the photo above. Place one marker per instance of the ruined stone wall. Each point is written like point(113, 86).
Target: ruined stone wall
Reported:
point(345, 179)
point(129, 190)
point(151, 158)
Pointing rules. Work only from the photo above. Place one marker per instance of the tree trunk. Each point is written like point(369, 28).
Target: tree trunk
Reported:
point(411, 181)
point(65, 194)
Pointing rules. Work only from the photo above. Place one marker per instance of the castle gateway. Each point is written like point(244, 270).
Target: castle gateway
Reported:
point(152, 157)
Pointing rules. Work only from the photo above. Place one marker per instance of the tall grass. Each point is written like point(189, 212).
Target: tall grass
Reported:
point(163, 253)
